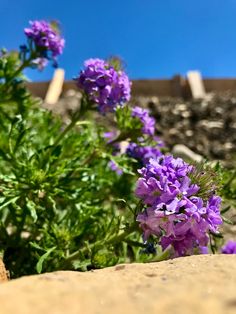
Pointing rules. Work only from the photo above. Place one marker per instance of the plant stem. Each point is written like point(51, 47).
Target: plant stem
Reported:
point(21, 68)
point(83, 107)
point(161, 257)
point(119, 238)
point(77, 115)
point(64, 132)
point(24, 65)
point(60, 137)
point(113, 240)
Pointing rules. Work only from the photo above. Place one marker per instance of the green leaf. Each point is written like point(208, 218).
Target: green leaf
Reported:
point(10, 201)
point(39, 265)
point(217, 235)
point(32, 209)
point(83, 123)
point(227, 221)
point(36, 246)
point(224, 210)
point(103, 258)
point(81, 265)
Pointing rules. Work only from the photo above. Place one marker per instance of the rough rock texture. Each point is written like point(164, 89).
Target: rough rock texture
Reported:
point(207, 126)
point(3, 272)
point(196, 284)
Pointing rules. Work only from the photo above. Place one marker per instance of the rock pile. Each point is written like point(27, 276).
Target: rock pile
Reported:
point(207, 127)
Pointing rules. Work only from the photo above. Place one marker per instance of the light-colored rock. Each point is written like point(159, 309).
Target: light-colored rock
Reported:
point(3, 272)
point(211, 124)
point(184, 152)
point(197, 284)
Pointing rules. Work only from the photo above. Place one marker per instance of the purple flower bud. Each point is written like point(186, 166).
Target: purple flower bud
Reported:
point(147, 121)
point(229, 248)
point(40, 63)
point(114, 167)
point(143, 153)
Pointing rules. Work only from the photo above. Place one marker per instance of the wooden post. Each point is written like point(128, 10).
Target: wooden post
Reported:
point(196, 84)
point(55, 87)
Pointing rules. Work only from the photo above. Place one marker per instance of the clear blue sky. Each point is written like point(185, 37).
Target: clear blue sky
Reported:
point(156, 38)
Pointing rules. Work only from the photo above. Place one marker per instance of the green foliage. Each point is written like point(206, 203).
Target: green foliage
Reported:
point(131, 127)
point(59, 205)
point(227, 178)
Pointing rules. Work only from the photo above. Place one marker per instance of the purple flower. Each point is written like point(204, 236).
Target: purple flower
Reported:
point(40, 63)
point(114, 167)
point(109, 136)
point(104, 85)
point(47, 40)
point(229, 248)
point(143, 153)
point(174, 212)
point(147, 121)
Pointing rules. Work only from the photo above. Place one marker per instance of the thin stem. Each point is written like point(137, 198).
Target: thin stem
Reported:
point(117, 239)
point(75, 118)
point(161, 257)
point(113, 240)
point(89, 158)
point(24, 65)
point(21, 68)
point(64, 132)
point(60, 137)
point(134, 243)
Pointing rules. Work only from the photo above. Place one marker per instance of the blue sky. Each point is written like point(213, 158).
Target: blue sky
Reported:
point(156, 38)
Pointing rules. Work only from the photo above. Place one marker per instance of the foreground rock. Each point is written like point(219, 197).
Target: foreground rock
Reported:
point(197, 284)
point(3, 272)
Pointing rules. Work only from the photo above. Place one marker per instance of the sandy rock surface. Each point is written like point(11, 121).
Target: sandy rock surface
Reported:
point(196, 284)
point(3, 272)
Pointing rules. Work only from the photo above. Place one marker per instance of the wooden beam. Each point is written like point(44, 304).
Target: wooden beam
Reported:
point(165, 87)
point(177, 86)
point(219, 85)
point(151, 87)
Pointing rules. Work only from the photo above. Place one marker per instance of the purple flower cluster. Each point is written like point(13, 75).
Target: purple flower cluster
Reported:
point(104, 85)
point(229, 248)
point(47, 40)
point(147, 121)
point(141, 151)
point(173, 210)
point(144, 153)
